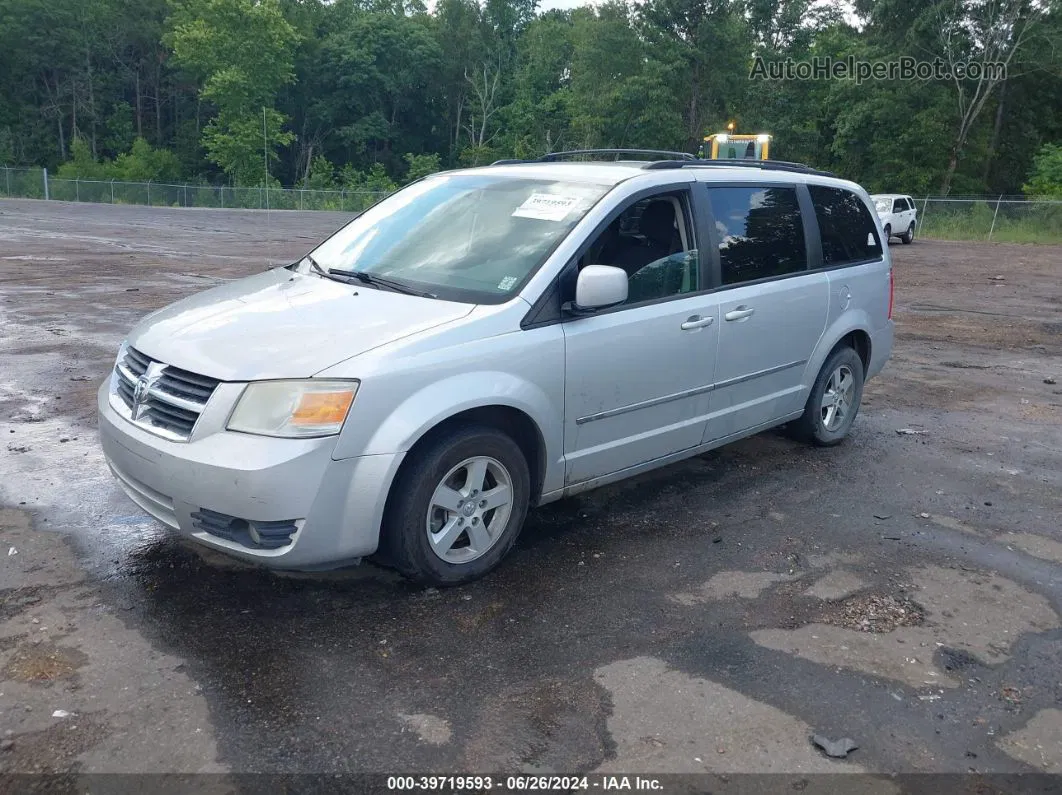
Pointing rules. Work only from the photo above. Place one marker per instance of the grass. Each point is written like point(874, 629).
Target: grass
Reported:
point(973, 221)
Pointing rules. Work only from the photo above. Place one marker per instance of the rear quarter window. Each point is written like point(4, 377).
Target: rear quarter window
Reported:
point(848, 231)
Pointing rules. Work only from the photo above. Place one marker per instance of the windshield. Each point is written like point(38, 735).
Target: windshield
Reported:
point(883, 205)
point(471, 237)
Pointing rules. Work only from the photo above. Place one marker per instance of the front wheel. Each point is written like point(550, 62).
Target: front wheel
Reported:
point(888, 232)
point(457, 508)
point(908, 236)
point(834, 400)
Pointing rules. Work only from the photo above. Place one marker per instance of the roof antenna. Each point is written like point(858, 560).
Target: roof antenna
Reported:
point(265, 162)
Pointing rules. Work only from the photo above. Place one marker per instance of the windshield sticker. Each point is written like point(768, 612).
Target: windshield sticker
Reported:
point(546, 207)
point(507, 282)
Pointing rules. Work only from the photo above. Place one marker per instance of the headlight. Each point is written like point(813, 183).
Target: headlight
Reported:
point(293, 408)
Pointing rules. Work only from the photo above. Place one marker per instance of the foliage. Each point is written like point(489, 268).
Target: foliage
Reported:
point(242, 52)
point(1045, 178)
point(322, 174)
point(356, 93)
point(375, 180)
point(142, 163)
point(420, 166)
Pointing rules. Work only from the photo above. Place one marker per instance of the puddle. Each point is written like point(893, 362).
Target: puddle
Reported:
point(836, 585)
point(429, 728)
point(1037, 546)
point(1038, 743)
point(728, 584)
point(980, 614)
point(665, 721)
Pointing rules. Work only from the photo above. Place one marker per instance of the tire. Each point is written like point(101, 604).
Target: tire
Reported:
point(908, 236)
point(888, 232)
point(813, 425)
point(443, 546)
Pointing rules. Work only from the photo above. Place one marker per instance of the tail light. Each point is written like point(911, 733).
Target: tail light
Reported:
point(890, 292)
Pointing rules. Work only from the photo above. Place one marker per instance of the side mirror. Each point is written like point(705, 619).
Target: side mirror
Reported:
point(600, 286)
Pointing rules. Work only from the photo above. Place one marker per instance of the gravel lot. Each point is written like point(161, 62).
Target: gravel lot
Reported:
point(902, 590)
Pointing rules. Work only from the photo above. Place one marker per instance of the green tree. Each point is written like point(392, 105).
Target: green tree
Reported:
point(420, 166)
point(375, 86)
point(621, 96)
point(376, 180)
point(538, 120)
point(321, 174)
point(462, 36)
point(704, 49)
point(142, 163)
point(1045, 178)
point(366, 84)
point(242, 52)
point(82, 163)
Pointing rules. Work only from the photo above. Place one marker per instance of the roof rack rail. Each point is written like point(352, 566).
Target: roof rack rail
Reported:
point(673, 156)
point(766, 165)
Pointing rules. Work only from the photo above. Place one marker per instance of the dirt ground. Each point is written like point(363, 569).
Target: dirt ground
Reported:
point(902, 590)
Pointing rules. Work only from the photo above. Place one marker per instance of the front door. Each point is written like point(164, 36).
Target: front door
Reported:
point(636, 384)
point(638, 376)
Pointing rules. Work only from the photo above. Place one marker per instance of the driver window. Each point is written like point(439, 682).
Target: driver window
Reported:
point(653, 242)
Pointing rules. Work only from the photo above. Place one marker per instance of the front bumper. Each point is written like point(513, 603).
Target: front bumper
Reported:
point(336, 506)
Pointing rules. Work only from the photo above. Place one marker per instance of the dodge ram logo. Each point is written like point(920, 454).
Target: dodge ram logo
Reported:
point(142, 388)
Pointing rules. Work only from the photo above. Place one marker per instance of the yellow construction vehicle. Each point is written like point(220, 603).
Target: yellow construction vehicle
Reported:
point(732, 146)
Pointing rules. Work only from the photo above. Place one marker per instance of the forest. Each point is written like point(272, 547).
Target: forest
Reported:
point(368, 94)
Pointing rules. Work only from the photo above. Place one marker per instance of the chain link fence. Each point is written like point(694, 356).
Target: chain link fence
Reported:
point(1010, 219)
point(37, 183)
point(1005, 219)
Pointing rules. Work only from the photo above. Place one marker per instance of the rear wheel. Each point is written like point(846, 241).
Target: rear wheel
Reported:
point(834, 400)
point(908, 236)
point(456, 510)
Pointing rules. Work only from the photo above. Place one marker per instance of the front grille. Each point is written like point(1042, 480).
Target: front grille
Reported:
point(254, 535)
point(187, 385)
point(171, 399)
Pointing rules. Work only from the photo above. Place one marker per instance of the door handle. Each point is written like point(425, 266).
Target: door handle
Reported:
point(740, 313)
point(696, 321)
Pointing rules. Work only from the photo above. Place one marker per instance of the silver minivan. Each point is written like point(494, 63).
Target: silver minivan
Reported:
point(492, 339)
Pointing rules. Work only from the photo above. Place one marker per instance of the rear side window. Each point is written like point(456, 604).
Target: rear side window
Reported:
point(849, 233)
point(760, 232)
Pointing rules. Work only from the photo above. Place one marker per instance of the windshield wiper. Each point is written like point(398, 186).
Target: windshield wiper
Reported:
point(315, 265)
point(379, 281)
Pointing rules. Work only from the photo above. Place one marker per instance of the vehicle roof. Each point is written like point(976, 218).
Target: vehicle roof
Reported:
point(597, 172)
point(890, 195)
point(614, 172)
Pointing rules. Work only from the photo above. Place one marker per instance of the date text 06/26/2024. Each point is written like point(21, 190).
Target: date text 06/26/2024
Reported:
point(521, 783)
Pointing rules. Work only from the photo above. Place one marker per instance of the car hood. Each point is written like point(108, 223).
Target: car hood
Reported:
point(280, 324)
